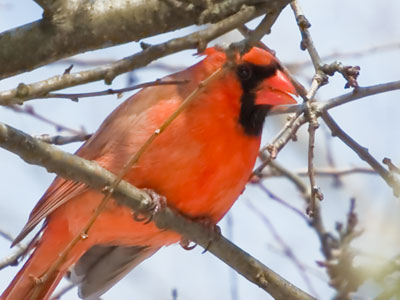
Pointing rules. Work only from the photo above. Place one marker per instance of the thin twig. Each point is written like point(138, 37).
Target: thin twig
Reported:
point(325, 172)
point(316, 222)
point(306, 41)
point(313, 125)
point(29, 110)
point(349, 54)
point(76, 96)
point(392, 167)
point(253, 37)
point(283, 202)
point(360, 92)
point(279, 142)
point(363, 153)
point(316, 194)
point(62, 140)
point(6, 235)
point(11, 260)
point(286, 249)
point(322, 71)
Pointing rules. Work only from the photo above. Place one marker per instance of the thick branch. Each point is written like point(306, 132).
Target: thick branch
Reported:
point(77, 26)
point(35, 90)
point(89, 172)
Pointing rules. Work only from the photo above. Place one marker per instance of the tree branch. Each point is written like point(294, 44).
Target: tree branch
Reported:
point(363, 153)
point(355, 94)
point(29, 110)
point(323, 172)
point(361, 92)
point(89, 172)
point(77, 26)
point(11, 260)
point(200, 39)
point(62, 140)
point(77, 96)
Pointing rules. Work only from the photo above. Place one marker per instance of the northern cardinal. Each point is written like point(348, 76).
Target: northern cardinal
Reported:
point(201, 164)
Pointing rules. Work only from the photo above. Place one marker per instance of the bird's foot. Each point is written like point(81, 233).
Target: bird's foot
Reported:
point(214, 232)
point(158, 203)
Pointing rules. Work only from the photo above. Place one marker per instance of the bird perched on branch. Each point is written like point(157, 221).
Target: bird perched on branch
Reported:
point(200, 163)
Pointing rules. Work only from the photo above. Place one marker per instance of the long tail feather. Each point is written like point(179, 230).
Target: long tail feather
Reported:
point(27, 284)
point(104, 265)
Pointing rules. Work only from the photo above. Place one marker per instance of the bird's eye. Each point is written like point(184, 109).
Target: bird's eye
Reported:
point(244, 72)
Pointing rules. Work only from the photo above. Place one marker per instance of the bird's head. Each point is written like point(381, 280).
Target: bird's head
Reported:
point(263, 85)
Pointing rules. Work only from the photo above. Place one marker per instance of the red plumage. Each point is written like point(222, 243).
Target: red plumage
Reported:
point(200, 164)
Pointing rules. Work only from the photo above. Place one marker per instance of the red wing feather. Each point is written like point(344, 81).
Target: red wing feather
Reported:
point(60, 191)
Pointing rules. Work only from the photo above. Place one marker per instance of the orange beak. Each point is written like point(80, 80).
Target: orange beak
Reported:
point(275, 91)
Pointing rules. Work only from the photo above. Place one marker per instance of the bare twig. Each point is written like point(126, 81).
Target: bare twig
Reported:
point(285, 247)
point(316, 221)
point(320, 78)
point(321, 70)
point(316, 194)
point(363, 153)
point(76, 96)
point(11, 260)
point(350, 73)
point(29, 110)
point(6, 235)
point(360, 92)
point(326, 172)
point(356, 94)
point(279, 142)
point(350, 54)
point(62, 140)
point(330, 155)
point(283, 202)
point(392, 167)
point(88, 62)
point(306, 40)
point(253, 37)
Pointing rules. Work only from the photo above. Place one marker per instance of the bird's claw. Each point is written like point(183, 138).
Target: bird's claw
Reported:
point(158, 203)
point(185, 244)
point(214, 232)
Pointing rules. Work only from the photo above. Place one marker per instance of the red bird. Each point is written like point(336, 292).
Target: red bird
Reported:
point(200, 163)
